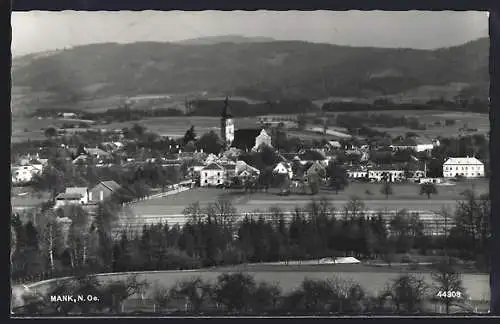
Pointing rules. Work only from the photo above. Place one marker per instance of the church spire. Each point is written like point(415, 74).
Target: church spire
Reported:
point(227, 125)
point(226, 112)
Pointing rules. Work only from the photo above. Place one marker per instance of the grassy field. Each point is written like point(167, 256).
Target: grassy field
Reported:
point(31, 128)
point(405, 197)
point(177, 126)
point(477, 285)
point(427, 117)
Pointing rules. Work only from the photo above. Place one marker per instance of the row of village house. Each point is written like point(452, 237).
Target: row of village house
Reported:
point(217, 172)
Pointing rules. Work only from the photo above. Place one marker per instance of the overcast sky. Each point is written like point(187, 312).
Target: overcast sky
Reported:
point(38, 31)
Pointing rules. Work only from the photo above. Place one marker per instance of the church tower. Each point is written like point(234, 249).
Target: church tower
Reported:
point(226, 125)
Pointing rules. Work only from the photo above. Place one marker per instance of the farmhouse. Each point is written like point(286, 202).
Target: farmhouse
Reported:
point(229, 170)
point(357, 173)
point(283, 168)
point(103, 190)
point(386, 174)
point(243, 170)
point(72, 195)
point(195, 169)
point(335, 145)
point(25, 173)
point(212, 175)
point(97, 153)
point(463, 166)
point(83, 159)
point(315, 168)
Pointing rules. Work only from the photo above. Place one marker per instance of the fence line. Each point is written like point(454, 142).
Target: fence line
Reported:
point(158, 195)
point(434, 224)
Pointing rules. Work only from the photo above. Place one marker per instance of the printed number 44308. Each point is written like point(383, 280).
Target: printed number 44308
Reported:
point(449, 294)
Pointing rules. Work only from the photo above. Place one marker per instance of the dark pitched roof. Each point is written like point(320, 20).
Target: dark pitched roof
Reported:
point(111, 185)
point(229, 166)
point(244, 139)
point(71, 196)
point(312, 155)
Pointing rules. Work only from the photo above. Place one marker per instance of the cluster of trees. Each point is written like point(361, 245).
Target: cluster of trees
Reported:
point(136, 181)
point(216, 236)
point(377, 120)
point(125, 113)
point(239, 293)
point(50, 245)
point(241, 108)
point(469, 105)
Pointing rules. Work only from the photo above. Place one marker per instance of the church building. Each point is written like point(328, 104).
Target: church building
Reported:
point(250, 139)
point(226, 126)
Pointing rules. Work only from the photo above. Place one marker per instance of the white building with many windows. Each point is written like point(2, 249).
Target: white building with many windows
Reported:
point(212, 175)
point(463, 166)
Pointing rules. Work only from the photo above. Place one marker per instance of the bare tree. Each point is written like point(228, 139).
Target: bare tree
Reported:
point(118, 291)
point(428, 189)
point(51, 237)
point(354, 208)
point(265, 297)
point(386, 189)
point(449, 289)
point(276, 215)
point(408, 292)
point(161, 296)
point(223, 213)
point(195, 290)
point(194, 213)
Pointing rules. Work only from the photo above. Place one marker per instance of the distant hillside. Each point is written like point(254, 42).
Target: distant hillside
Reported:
point(236, 39)
point(257, 70)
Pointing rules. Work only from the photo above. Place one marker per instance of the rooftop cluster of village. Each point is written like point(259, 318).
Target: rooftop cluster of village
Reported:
point(260, 157)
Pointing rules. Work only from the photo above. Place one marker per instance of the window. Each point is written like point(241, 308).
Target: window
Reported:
point(206, 181)
point(206, 174)
point(218, 174)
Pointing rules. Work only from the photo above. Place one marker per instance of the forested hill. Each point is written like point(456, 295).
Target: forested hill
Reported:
point(264, 70)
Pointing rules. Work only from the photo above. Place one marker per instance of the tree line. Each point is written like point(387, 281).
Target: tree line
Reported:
point(216, 235)
point(468, 105)
point(239, 293)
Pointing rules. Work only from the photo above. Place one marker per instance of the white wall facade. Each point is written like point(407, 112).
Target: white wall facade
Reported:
point(229, 131)
point(262, 139)
point(465, 167)
point(357, 174)
point(211, 177)
point(284, 170)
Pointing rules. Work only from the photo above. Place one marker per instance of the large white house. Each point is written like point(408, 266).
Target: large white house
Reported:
point(212, 175)
point(463, 166)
